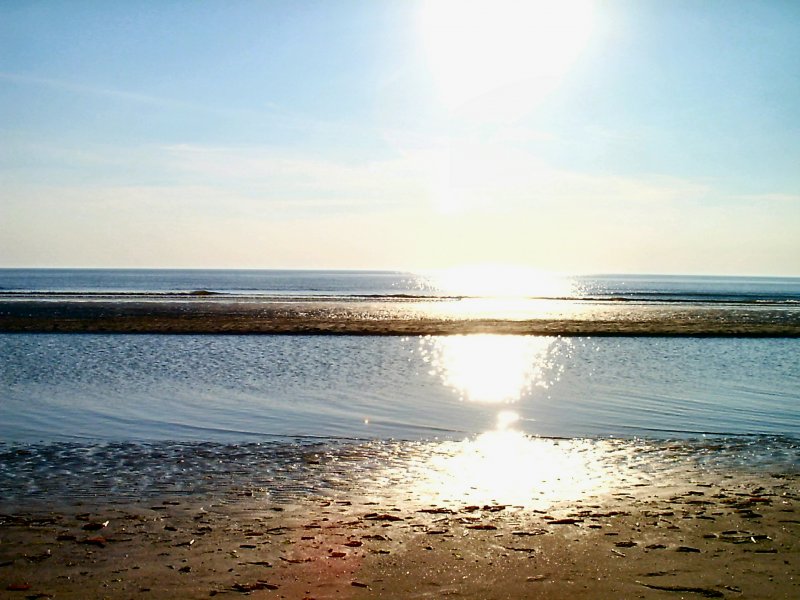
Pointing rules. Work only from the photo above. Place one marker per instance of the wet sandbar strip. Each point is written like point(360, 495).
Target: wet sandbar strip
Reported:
point(202, 316)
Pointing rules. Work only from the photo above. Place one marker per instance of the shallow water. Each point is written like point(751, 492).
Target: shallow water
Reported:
point(503, 467)
point(483, 418)
point(251, 388)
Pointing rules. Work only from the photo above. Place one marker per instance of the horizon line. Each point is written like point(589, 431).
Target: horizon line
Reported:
point(405, 270)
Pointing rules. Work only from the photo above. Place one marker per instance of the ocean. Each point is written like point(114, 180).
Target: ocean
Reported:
point(76, 405)
point(480, 282)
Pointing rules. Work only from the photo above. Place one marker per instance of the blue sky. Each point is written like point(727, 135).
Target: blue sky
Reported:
point(619, 136)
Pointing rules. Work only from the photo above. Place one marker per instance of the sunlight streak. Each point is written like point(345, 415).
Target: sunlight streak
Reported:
point(503, 465)
point(491, 368)
point(508, 467)
point(500, 281)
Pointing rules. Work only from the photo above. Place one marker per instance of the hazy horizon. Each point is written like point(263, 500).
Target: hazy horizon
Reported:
point(578, 137)
point(410, 271)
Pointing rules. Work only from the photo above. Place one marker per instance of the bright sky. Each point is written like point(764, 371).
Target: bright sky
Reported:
point(614, 136)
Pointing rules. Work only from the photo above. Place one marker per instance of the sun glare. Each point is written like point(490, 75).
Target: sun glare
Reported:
point(504, 464)
point(502, 48)
point(490, 368)
point(509, 467)
point(500, 281)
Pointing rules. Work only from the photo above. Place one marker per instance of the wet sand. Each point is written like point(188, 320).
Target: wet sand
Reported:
point(656, 520)
point(210, 315)
point(702, 537)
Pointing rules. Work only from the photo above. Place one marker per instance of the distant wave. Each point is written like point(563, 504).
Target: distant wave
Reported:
point(665, 298)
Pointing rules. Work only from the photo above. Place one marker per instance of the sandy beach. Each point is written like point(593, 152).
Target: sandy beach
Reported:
point(691, 533)
point(396, 317)
point(737, 539)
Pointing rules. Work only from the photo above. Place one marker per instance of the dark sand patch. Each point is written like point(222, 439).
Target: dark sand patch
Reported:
point(210, 315)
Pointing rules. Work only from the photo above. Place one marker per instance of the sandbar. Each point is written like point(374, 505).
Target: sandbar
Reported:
point(201, 315)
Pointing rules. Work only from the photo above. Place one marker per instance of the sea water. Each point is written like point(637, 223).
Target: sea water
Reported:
point(480, 282)
point(245, 388)
point(85, 414)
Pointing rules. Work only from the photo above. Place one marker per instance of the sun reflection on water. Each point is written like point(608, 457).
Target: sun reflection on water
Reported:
point(500, 281)
point(491, 368)
point(499, 291)
point(508, 467)
point(504, 464)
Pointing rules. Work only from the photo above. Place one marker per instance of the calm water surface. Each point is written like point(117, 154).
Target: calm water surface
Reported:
point(236, 388)
point(478, 282)
point(509, 419)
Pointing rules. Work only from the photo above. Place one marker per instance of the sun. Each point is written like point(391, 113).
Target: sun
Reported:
point(503, 49)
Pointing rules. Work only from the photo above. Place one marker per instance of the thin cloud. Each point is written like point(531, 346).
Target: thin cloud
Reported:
point(79, 88)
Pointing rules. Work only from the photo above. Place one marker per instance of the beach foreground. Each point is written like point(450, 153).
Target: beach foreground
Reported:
point(696, 534)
